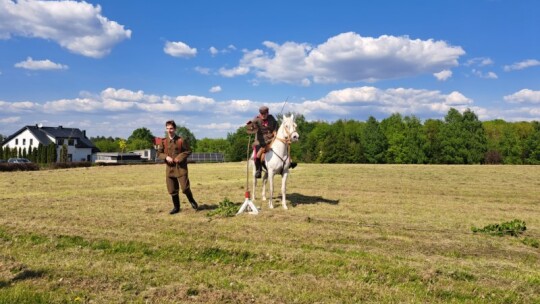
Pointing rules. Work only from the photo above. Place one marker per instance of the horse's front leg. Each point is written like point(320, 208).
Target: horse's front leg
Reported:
point(284, 189)
point(264, 180)
point(254, 187)
point(271, 188)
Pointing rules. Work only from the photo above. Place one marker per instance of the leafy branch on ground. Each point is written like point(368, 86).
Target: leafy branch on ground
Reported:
point(226, 208)
point(513, 228)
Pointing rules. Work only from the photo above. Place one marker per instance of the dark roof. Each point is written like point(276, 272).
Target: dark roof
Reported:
point(56, 132)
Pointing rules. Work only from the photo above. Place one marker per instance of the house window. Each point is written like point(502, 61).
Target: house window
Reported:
point(24, 142)
point(71, 142)
point(31, 141)
point(60, 142)
point(16, 141)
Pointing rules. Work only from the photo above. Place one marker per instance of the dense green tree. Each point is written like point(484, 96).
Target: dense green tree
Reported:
point(510, 145)
point(238, 145)
point(138, 144)
point(186, 134)
point(414, 142)
point(212, 145)
point(52, 153)
point(314, 141)
point(532, 145)
point(476, 142)
point(374, 142)
point(463, 138)
point(106, 144)
point(64, 154)
point(393, 129)
point(432, 148)
point(140, 139)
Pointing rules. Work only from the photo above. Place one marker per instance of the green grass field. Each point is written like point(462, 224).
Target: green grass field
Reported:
point(353, 234)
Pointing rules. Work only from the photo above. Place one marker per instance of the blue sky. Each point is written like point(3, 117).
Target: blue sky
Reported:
point(110, 67)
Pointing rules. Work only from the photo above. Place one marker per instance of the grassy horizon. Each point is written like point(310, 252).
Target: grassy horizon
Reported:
point(353, 233)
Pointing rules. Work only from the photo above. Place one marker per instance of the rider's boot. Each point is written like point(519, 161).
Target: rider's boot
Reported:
point(258, 167)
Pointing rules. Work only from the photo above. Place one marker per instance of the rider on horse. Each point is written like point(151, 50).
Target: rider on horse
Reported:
point(264, 126)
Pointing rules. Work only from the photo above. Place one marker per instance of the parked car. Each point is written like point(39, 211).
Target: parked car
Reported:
point(2, 160)
point(18, 160)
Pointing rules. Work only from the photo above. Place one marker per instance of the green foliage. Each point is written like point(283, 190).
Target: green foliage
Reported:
point(374, 142)
point(64, 154)
point(513, 228)
point(141, 134)
point(226, 208)
point(238, 145)
point(212, 145)
point(531, 242)
point(186, 134)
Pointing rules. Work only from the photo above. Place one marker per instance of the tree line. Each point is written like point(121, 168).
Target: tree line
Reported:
point(459, 138)
point(43, 154)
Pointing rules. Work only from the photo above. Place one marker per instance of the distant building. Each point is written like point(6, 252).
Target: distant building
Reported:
point(117, 158)
point(80, 148)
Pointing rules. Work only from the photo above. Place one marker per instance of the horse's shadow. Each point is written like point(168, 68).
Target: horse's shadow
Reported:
point(300, 199)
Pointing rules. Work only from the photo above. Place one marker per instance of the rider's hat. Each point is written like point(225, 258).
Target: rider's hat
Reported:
point(263, 110)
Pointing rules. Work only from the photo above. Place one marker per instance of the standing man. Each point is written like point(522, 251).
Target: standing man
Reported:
point(174, 150)
point(264, 126)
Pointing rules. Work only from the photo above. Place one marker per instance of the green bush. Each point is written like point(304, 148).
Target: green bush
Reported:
point(513, 228)
point(8, 167)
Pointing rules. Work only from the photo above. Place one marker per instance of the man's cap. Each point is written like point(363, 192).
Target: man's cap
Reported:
point(263, 110)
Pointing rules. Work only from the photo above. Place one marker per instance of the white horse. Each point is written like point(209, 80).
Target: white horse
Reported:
point(278, 160)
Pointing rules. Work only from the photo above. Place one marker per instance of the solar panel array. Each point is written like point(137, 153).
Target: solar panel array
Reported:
point(206, 157)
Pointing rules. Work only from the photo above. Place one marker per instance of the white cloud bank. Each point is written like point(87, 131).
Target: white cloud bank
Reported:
point(347, 57)
point(524, 96)
point(31, 64)
point(76, 26)
point(113, 110)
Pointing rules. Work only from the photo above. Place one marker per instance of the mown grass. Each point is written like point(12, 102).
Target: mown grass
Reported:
point(354, 233)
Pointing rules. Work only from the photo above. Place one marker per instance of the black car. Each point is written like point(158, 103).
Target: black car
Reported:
point(18, 160)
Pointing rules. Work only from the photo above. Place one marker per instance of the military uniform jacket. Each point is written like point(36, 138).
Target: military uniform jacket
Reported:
point(178, 152)
point(263, 129)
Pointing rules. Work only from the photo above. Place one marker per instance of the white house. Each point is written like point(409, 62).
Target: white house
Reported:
point(80, 148)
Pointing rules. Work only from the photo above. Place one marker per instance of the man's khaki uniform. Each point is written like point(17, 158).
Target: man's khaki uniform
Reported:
point(176, 173)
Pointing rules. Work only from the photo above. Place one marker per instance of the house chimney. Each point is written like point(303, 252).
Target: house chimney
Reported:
point(84, 133)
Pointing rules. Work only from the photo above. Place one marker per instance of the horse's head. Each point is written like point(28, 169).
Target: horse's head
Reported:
point(288, 127)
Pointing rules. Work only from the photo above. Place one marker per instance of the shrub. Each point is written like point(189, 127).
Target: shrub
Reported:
point(8, 167)
point(513, 228)
point(70, 165)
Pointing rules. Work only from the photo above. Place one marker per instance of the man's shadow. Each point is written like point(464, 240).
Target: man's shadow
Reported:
point(300, 199)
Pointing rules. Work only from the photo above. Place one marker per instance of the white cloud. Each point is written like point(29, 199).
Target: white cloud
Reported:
point(240, 70)
point(76, 26)
point(351, 102)
point(443, 75)
point(213, 51)
point(201, 70)
point(179, 49)
point(347, 57)
point(521, 65)
point(10, 120)
point(215, 89)
point(31, 64)
point(479, 61)
point(488, 75)
point(524, 96)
